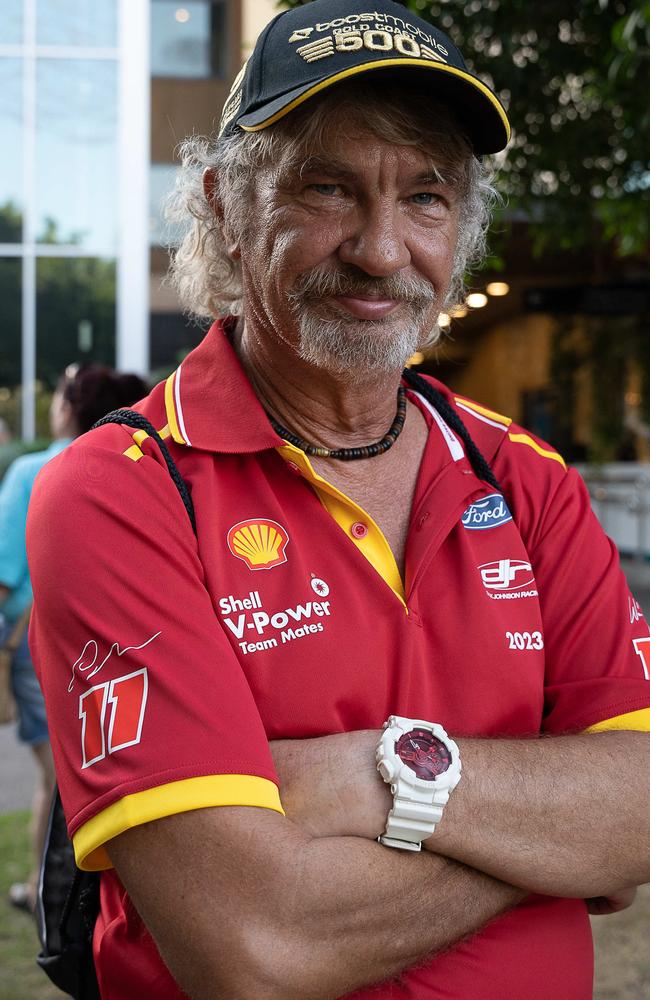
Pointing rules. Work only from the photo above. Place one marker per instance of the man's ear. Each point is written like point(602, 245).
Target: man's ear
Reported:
point(211, 192)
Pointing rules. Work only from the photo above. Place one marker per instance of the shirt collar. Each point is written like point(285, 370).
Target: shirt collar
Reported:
point(210, 404)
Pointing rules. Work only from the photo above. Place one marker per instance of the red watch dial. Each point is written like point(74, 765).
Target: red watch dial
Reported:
point(424, 753)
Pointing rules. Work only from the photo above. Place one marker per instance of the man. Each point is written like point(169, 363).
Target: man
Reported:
point(360, 555)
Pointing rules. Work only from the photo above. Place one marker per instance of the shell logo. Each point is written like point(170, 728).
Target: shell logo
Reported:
point(260, 543)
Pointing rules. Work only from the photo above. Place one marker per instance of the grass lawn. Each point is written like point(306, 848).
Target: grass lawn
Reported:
point(20, 977)
point(622, 952)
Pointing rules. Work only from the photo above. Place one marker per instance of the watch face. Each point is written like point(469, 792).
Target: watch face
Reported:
point(424, 753)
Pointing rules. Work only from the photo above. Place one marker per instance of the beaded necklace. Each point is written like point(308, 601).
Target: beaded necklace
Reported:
point(349, 454)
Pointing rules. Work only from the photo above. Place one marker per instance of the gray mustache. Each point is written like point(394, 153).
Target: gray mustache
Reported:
point(319, 283)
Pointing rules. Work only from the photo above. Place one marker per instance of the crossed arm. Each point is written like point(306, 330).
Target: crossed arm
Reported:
point(310, 907)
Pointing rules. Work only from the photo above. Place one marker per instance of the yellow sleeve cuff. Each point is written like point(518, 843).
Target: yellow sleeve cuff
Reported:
point(639, 721)
point(167, 800)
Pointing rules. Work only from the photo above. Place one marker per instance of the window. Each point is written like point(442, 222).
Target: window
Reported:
point(162, 177)
point(189, 38)
point(79, 23)
point(75, 314)
point(76, 153)
point(11, 22)
point(11, 164)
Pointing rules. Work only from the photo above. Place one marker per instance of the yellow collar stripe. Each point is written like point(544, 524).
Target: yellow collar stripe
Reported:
point(170, 409)
point(526, 439)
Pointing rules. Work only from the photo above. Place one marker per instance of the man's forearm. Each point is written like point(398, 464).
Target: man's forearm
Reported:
point(560, 815)
point(307, 918)
point(563, 816)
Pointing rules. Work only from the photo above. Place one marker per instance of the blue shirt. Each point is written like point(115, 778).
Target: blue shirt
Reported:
point(15, 491)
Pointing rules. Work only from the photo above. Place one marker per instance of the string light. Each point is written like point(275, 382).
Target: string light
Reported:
point(444, 320)
point(498, 288)
point(458, 312)
point(476, 300)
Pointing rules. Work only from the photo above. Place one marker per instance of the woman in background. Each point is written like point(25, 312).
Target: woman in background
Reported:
point(82, 396)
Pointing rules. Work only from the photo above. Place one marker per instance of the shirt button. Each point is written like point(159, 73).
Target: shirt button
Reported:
point(359, 530)
point(294, 468)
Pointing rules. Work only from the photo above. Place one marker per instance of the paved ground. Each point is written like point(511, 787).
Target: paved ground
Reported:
point(17, 772)
point(17, 769)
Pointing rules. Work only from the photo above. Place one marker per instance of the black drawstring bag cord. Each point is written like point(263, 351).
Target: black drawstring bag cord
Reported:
point(449, 415)
point(131, 418)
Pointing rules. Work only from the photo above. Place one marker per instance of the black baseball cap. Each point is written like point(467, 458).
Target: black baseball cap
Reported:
point(303, 51)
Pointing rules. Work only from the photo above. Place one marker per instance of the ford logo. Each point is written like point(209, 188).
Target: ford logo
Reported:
point(488, 512)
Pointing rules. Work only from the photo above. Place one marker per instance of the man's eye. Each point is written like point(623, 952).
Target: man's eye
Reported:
point(425, 198)
point(325, 189)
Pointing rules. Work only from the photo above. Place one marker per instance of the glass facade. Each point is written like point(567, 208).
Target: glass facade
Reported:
point(161, 183)
point(189, 38)
point(77, 187)
point(76, 153)
point(78, 23)
point(11, 164)
point(75, 314)
point(10, 296)
point(59, 194)
point(11, 22)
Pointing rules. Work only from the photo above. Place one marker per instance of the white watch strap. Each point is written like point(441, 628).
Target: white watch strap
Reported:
point(410, 821)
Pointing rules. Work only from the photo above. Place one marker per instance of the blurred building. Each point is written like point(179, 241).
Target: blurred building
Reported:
point(94, 97)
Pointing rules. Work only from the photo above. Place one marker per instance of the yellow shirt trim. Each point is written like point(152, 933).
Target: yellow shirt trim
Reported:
point(526, 439)
point(346, 513)
point(167, 800)
point(170, 409)
point(638, 721)
point(492, 414)
point(134, 453)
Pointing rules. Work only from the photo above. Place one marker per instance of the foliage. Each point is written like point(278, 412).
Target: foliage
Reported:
point(571, 77)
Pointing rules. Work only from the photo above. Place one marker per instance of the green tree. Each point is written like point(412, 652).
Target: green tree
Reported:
point(572, 78)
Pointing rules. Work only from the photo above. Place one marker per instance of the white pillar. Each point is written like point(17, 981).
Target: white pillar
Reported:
point(132, 335)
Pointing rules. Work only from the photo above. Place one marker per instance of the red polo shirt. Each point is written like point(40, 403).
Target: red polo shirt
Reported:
point(168, 662)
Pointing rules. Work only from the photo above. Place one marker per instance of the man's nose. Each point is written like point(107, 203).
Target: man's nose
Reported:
point(375, 242)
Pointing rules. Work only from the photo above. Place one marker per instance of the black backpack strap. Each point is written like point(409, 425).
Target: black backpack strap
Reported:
point(66, 911)
point(447, 412)
point(131, 418)
point(68, 898)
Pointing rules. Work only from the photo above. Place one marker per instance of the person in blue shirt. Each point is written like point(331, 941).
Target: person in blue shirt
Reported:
point(82, 396)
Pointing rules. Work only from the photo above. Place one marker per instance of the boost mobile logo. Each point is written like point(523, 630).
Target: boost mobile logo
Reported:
point(300, 34)
point(372, 39)
point(507, 578)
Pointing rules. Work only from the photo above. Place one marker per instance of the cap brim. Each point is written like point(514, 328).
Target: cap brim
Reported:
point(479, 110)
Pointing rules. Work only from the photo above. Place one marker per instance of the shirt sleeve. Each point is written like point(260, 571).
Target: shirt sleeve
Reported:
point(596, 637)
point(149, 710)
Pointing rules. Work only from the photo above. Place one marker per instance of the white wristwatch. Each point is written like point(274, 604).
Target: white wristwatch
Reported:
point(422, 766)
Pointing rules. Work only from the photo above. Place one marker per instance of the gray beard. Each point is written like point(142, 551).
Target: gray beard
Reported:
point(354, 348)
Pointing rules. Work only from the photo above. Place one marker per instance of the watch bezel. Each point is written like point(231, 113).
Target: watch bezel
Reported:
point(394, 729)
